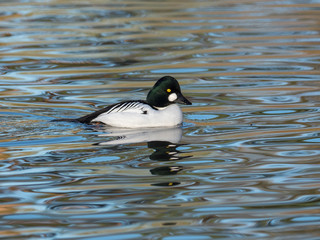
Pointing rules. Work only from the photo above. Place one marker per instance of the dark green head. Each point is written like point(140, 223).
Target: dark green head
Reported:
point(165, 92)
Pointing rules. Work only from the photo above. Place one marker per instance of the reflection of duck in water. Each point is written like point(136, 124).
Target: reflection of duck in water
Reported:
point(158, 110)
point(164, 141)
point(165, 151)
point(129, 136)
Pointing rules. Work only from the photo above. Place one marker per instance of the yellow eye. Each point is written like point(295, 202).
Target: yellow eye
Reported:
point(168, 90)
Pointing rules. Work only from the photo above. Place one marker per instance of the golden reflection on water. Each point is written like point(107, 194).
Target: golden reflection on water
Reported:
point(247, 163)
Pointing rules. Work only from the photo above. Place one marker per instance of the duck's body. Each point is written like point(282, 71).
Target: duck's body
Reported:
point(140, 115)
point(158, 111)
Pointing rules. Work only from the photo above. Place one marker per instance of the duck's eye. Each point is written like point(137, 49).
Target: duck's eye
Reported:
point(168, 90)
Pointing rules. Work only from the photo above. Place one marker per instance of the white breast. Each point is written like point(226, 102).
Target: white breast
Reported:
point(142, 116)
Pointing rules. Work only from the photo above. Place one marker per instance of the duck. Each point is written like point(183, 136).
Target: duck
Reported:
point(158, 110)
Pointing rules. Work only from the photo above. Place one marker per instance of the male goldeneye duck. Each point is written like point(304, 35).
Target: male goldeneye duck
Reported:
point(159, 110)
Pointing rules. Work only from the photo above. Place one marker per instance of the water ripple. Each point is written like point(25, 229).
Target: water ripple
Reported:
point(243, 165)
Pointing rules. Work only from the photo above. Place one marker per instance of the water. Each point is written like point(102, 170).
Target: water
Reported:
point(245, 164)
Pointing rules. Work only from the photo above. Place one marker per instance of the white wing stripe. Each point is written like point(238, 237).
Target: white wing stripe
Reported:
point(120, 107)
point(111, 109)
point(123, 107)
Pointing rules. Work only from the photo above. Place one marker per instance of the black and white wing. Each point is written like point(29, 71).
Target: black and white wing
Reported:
point(132, 106)
point(127, 106)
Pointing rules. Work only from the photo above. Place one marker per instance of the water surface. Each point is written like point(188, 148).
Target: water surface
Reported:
point(245, 164)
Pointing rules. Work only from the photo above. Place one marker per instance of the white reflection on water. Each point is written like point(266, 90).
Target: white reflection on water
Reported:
point(129, 136)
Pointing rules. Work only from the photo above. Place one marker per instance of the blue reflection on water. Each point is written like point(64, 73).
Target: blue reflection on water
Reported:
point(179, 70)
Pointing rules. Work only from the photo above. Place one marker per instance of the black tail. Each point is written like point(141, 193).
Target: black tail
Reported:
point(85, 119)
point(65, 120)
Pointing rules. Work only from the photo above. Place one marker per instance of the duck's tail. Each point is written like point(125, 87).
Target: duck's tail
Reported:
point(66, 120)
point(85, 119)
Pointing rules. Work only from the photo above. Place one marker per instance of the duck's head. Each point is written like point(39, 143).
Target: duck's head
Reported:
point(165, 92)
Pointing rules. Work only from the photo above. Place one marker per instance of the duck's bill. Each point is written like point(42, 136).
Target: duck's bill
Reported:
point(183, 100)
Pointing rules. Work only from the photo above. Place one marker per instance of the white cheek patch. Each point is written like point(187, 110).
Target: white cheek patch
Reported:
point(172, 97)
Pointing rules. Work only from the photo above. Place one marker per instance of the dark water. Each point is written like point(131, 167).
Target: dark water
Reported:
point(245, 164)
